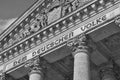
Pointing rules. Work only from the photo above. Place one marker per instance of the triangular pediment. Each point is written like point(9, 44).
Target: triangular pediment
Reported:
point(40, 15)
point(51, 24)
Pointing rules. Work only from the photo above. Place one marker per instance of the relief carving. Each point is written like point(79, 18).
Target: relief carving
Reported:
point(34, 26)
point(54, 15)
point(36, 63)
point(43, 19)
point(75, 4)
point(26, 32)
point(55, 3)
point(17, 37)
point(66, 9)
point(5, 45)
point(21, 33)
point(54, 10)
point(11, 41)
point(47, 15)
point(39, 22)
point(71, 5)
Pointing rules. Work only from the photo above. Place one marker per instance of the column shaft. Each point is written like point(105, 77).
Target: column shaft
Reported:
point(107, 73)
point(35, 75)
point(36, 70)
point(109, 77)
point(81, 66)
point(81, 58)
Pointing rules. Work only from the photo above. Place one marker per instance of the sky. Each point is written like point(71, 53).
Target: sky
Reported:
point(10, 10)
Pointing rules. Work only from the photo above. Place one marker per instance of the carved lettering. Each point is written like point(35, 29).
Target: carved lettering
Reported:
point(93, 23)
point(19, 61)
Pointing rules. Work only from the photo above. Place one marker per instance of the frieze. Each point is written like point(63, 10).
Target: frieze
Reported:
point(44, 16)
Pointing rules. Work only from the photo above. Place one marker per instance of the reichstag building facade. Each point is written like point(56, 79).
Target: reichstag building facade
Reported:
point(63, 40)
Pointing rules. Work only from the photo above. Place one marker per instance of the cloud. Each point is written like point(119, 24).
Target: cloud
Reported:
point(6, 23)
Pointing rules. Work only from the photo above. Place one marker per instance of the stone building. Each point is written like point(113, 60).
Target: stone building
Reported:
point(63, 40)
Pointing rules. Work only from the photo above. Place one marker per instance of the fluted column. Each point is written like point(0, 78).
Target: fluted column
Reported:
point(81, 59)
point(107, 73)
point(36, 71)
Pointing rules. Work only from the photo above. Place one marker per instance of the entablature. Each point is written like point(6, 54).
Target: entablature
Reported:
point(66, 25)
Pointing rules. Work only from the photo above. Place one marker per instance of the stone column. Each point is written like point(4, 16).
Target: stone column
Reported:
point(107, 73)
point(36, 71)
point(81, 59)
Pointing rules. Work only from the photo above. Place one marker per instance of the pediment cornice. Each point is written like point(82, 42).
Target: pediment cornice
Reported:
point(36, 18)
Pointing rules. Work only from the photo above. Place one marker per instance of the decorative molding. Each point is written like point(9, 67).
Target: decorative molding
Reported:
point(37, 65)
point(35, 62)
point(80, 43)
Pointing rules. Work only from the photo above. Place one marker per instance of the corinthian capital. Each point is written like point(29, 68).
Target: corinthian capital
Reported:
point(36, 65)
point(79, 43)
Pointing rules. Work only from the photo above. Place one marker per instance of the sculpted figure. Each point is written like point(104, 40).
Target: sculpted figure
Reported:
point(26, 32)
point(75, 4)
point(34, 26)
point(66, 9)
point(43, 18)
